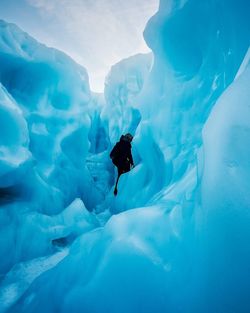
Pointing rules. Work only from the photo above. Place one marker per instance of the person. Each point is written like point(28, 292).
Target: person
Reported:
point(121, 157)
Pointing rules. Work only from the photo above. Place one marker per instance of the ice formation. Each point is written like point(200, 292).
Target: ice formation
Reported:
point(42, 114)
point(175, 239)
point(122, 86)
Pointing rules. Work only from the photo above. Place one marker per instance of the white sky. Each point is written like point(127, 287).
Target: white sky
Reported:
point(96, 33)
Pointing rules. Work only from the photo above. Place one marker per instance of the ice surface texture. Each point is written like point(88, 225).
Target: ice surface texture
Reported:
point(179, 240)
point(52, 92)
point(14, 141)
point(44, 121)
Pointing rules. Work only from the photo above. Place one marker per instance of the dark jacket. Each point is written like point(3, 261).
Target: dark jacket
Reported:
point(121, 153)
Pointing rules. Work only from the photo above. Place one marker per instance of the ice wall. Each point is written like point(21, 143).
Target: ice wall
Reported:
point(198, 50)
point(226, 200)
point(122, 87)
point(52, 92)
point(45, 121)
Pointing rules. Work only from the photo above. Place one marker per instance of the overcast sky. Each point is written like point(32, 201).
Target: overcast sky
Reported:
point(96, 33)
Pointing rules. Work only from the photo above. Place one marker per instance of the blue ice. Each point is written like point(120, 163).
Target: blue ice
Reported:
point(176, 238)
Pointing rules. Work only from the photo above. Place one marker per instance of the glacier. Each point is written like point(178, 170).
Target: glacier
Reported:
point(176, 238)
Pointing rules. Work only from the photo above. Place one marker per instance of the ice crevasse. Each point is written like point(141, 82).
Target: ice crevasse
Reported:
point(178, 241)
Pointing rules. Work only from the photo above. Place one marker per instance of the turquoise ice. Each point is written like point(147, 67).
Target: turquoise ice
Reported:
point(176, 238)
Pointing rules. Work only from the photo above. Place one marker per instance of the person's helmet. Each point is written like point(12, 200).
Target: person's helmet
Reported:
point(129, 137)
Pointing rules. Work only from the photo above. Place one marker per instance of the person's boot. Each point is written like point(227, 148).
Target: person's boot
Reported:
point(115, 191)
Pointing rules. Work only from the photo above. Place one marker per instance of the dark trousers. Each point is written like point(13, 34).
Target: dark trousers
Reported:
point(122, 168)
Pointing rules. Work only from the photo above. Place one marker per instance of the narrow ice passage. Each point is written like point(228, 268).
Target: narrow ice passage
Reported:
point(176, 238)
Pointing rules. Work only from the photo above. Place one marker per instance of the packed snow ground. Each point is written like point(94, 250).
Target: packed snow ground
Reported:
point(175, 239)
